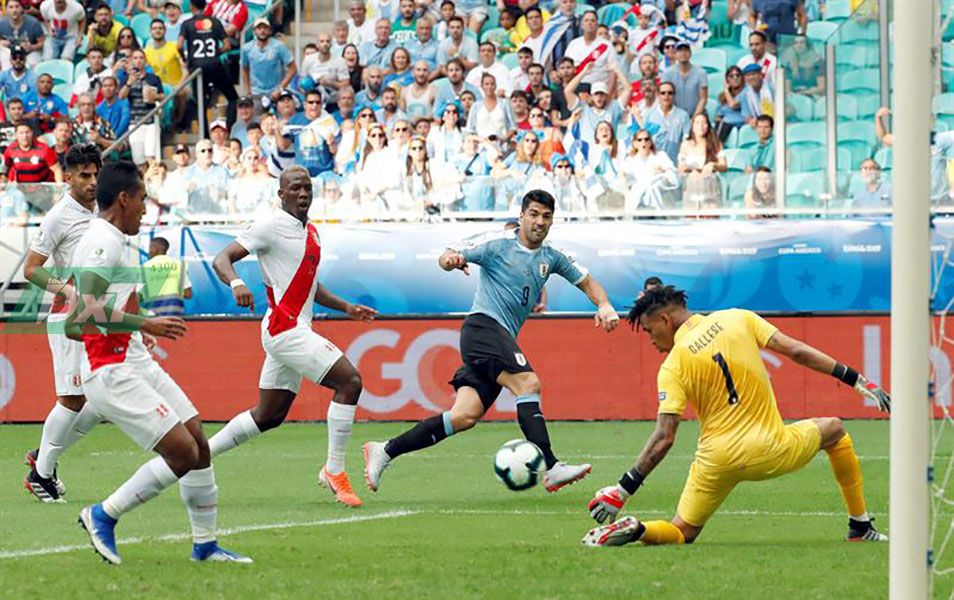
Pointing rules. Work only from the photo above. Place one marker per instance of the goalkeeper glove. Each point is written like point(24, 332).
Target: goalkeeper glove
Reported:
point(874, 393)
point(607, 503)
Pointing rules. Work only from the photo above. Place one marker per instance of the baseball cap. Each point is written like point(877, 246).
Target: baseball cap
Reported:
point(17, 51)
point(180, 148)
point(751, 68)
point(599, 88)
point(218, 123)
point(286, 93)
point(682, 43)
point(261, 21)
point(245, 101)
point(172, 2)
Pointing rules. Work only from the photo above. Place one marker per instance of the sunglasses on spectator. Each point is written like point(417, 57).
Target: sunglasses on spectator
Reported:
point(313, 102)
point(416, 148)
point(400, 130)
point(642, 139)
point(204, 150)
point(668, 46)
point(666, 93)
point(365, 116)
point(563, 166)
point(376, 135)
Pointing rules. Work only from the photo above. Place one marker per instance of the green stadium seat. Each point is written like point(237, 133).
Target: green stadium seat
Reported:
point(611, 13)
point(61, 71)
point(121, 19)
point(859, 80)
point(712, 60)
point(858, 138)
point(733, 140)
point(510, 60)
point(803, 190)
point(799, 107)
point(868, 104)
point(851, 57)
point(806, 135)
point(807, 162)
point(737, 187)
point(943, 104)
point(712, 105)
point(723, 32)
point(837, 11)
point(716, 84)
point(748, 138)
point(497, 35)
point(140, 25)
point(64, 91)
point(847, 107)
point(818, 32)
point(80, 68)
point(854, 32)
point(737, 159)
point(493, 19)
point(884, 158)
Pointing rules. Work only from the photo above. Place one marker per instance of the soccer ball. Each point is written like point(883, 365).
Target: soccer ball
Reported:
point(518, 464)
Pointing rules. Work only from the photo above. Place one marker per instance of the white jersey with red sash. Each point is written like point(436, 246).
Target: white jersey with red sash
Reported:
point(596, 52)
point(289, 253)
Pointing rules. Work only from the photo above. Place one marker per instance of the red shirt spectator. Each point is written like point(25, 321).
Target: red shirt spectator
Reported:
point(28, 161)
point(231, 13)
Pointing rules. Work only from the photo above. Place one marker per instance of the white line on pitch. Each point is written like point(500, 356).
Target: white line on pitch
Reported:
point(174, 537)
point(731, 513)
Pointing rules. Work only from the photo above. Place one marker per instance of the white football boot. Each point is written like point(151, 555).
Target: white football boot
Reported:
point(562, 474)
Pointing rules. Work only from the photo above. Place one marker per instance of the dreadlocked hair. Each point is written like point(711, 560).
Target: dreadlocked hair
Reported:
point(653, 300)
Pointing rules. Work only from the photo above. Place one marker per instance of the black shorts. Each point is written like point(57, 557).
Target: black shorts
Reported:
point(488, 350)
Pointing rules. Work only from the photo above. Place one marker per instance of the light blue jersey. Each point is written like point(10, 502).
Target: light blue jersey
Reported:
point(512, 276)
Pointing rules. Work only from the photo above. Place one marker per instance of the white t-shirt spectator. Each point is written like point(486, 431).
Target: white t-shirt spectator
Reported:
point(66, 23)
point(578, 50)
point(333, 68)
point(359, 35)
point(500, 72)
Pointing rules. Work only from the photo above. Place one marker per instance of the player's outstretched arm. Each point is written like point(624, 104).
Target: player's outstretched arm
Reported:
point(609, 501)
point(606, 316)
point(99, 308)
point(815, 359)
point(451, 259)
point(358, 312)
point(223, 265)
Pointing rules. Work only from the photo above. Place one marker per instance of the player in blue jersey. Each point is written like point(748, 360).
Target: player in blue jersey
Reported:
point(515, 265)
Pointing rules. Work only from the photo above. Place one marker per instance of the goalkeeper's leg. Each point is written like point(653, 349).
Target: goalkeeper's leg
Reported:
point(652, 533)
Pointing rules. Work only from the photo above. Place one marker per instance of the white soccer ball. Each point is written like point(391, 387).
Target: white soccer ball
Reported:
point(519, 464)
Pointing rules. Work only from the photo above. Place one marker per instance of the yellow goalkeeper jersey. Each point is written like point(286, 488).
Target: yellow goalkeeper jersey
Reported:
point(715, 365)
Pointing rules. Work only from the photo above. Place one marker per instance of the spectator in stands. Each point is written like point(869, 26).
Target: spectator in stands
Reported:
point(66, 22)
point(267, 63)
point(700, 160)
point(605, 107)
point(339, 38)
point(764, 153)
point(14, 116)
point(88, 127)
point(757, 97)
point(332, 203)
point(18, 81)
point(874, 192)
point(61, 139)
point(551, 138)
point(23, 31)
point(559, 79)
point(377, 174)
point(202, 41)
point(399, 74)
point(346, 105)
point(253, 189)
point(474, 164)
point(126, 42)
point(422, 126)
point(776, 17)
point(566, 8)
point(650, 174)
point(425, 45)
point(361, 30)
point(143, 90)
point(477, 13)
point(805, 67)
point(373, 87)
point(672, 122)
point(164, 59)
point(172, 9)
point(729, 114)
point(525, 160)
point(329, 72)
point(761, 194)
point(103, 32)
point(738, 11)
point(535, 83)
point(378, 52)
point(43, 106)
point(491, 118)
point(567, 187)
point(690, 81)
point(446, 141)
point(166, 281)
point(520, 75)
point(759, 55)
point(400, 136)
point(353, 137)
point(384, 9)
point(232, 163)
point(314, 140)
point(245, 116)
point(644, 97)
point(113, 109)
point(648, 66)
point(30, 161)
point(206, 182)
point(668, 45)
point(91, 79)
point(417, 99)
point(355, 69)
point(14, 207)
point(588, 49)
point(457, 45)
point(602, 156)
point(390, 111)
point(417, 180)
point(520, 108)
point(450, 88)
point(232, 14)
point(405, 26)
point(174, 192)
point(219, 136)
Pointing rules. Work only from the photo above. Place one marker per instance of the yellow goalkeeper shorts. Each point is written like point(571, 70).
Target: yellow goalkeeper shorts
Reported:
point(707, 487)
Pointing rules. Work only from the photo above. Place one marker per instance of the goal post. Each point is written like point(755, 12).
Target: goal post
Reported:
point(909, 568)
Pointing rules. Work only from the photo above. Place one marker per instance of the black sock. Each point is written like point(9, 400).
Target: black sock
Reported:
point(534, 428)
point(423, 435)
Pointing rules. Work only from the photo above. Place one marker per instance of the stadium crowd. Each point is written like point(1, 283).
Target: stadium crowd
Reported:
point(418, 107)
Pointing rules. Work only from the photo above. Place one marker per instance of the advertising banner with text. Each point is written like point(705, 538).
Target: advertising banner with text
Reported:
point(587, 374)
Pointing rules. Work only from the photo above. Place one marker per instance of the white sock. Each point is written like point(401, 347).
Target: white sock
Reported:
point(340, 420)
point(53, 441)
point(201, 496)
point(86, 419)
point(144, 485)
point(864, 517)
point(239, 430)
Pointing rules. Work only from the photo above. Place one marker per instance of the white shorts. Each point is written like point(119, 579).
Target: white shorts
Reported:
point(144, 143)
point(293, 354)
point(140, 398)
point(67, 364)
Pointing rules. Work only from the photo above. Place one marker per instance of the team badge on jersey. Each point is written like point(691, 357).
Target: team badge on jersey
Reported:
point(662, 396)
point(544, 269)
point(521, 359)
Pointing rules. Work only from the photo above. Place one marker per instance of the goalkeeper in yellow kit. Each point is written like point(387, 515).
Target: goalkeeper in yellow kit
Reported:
point(714, 364)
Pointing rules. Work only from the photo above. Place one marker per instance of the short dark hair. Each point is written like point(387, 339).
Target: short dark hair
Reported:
point(103, 5)
point(162, 242)
point(564, 60)
point(95, 49)
point(81, 155)
point(524, 50)
point(115, 178)
point(14, 101)
point(651, 281)
point(313, 92)
point(536, 66)
point(253, 125)
point(519, 94)
point(655, 299)
point(535, 9)
point(311, 45)
point(486, 43)
point(760, 34)
point(540, 197)
point(457, 19)
point(766, 119)
point(160, 21)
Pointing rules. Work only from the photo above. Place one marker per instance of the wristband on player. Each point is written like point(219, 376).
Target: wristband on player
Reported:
point(236, 282)
point(630, 481)
point(845, 374)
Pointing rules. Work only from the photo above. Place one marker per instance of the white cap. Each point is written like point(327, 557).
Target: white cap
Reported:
point(218, 123)
point(598, 88)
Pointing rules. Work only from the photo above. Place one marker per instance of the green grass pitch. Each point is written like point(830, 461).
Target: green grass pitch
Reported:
point(441, 526)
